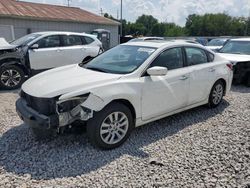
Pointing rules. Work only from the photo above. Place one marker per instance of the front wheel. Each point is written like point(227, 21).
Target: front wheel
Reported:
point(11, 77)
point(110, 127)
point(216, 94)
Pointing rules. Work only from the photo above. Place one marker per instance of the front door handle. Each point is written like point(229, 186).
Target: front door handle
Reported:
point(184, 77)
point(58, 50)
point(211, 69)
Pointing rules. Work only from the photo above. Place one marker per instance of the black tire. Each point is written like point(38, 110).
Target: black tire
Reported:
point(212, 102)
point(7, 77)
point(94, 125)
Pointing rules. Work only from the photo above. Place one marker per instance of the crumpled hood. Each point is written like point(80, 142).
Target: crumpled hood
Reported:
point(64, 80)
point(234, 58)
point(4, 45)
point(7, 47)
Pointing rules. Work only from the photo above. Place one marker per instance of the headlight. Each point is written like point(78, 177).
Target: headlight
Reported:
point(69, 104)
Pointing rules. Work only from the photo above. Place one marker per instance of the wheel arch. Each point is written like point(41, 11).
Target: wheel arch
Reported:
point(224, 84)
point(14, 62)
point(126, 103)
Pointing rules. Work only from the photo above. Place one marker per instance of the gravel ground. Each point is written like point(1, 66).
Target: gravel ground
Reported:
point(198, 148)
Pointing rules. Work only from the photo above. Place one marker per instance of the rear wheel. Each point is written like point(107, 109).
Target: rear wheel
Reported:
point(216, 94)
point(11, 77)
point(110, 127)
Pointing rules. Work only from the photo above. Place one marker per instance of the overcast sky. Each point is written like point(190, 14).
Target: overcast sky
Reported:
point(165, 10)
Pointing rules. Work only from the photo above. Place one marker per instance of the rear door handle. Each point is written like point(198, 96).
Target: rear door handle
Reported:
point(184, 77)
point(58, 50)
point(211, 69)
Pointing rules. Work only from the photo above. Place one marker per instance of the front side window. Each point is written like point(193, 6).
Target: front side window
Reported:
point(196, 56)
point(49, 42)
point(236, 47)
point(72, 40)
point(122, 59)
point(171, 59)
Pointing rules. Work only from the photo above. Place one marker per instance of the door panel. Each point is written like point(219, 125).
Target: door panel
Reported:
point(48, 55)
point(163, 94)
point(74, 49)
point(201, 76)
point(73, 54)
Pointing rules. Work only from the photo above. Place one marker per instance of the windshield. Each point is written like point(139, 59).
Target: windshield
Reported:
point(25, 39)
point(216, 42)
point(122, 59)
point(236, 47)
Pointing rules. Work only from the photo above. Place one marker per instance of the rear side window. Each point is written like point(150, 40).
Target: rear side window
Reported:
point(210, 57)
point(88, 40)
point(171, 59)
point(49, 42)
point(196, 56)
point(72, 40)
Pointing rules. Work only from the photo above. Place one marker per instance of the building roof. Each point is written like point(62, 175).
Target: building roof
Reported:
point(37, 11)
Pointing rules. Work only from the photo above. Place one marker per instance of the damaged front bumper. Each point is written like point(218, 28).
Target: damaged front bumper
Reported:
point(55, 121)
point(33, 118)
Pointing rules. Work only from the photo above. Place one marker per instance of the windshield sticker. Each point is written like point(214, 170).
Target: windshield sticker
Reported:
point(148, 50)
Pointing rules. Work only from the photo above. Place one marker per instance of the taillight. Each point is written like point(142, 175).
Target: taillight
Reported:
point(230, 66)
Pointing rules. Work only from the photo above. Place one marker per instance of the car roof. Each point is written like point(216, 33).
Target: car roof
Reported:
point(161, 43)
point(220, 39)
point(241, 39)
point(63, 33)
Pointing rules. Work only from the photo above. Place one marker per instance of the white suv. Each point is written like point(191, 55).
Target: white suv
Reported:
point(123, 88)
point(41, 51)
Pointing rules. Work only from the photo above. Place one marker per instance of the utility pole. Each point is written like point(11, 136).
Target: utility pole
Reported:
point(101, 11)
point(247, 23)
point(121, 18)
point(69, 2)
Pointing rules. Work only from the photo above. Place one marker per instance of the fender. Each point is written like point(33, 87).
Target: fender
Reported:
point(99, 97)
point(15, 57)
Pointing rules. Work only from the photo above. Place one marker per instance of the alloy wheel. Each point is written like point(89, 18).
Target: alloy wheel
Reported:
point(114, 128)
point(10, 78)
point(217, 94)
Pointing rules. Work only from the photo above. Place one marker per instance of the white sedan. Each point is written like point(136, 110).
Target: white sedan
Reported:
point(125, 87)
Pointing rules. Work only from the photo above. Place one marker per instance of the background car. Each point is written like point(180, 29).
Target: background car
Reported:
point(125, 87)
point(216, 44)
point(146, 39)
point(41, 51)
point(238, 52)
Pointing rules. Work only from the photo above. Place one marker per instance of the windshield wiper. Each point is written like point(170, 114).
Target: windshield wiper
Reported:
point(95, 69)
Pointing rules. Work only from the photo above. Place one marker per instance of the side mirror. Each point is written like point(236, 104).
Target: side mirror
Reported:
point(157, 71)
point(34, 46)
